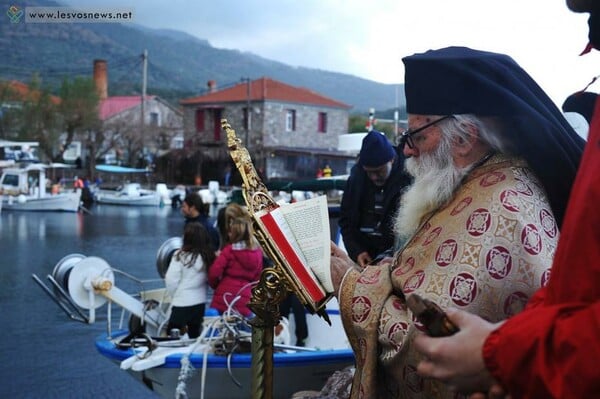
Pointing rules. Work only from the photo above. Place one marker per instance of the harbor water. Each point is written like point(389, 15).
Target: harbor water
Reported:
point(43, 353)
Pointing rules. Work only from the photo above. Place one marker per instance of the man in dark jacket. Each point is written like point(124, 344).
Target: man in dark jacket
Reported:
point(371, 198)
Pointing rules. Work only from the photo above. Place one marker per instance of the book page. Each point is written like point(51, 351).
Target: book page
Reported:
point(289, 235)
point(282, 237)
point(309, 223)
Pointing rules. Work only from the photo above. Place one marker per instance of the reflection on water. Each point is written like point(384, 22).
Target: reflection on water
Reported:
point(134, 211)
point(21, 226)
point(37, 342)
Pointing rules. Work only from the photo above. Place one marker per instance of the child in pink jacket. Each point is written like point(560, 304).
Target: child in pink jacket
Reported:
point(238, 265)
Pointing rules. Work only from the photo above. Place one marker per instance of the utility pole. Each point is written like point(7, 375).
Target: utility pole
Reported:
point(143, 104)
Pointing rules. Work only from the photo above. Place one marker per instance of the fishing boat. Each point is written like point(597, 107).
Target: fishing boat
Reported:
point(215, 365)
point(25, 189)
point(131, 193)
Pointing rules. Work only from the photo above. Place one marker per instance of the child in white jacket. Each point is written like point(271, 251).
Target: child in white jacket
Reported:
point(186, 280)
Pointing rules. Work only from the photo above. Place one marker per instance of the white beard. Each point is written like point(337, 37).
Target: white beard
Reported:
point(436, 179)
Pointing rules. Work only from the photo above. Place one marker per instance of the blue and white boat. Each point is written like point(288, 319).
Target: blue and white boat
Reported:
point(131, 193)
point(196, 368)
point(215, 365)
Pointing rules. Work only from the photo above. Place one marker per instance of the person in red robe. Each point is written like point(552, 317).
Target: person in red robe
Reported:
point(550, 349)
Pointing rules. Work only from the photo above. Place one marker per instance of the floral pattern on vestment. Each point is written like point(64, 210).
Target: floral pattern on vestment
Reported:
point(485, 252)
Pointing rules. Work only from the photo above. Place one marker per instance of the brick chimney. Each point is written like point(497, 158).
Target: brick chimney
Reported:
point(101, 78)
point(212, 86)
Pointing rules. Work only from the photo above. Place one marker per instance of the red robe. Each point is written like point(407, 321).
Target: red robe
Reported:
point(551, 349)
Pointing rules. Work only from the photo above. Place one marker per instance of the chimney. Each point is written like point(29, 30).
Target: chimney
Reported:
point(212, 86)
point(101, 78)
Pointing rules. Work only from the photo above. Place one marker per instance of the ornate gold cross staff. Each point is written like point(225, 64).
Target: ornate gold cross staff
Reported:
point(275, 282)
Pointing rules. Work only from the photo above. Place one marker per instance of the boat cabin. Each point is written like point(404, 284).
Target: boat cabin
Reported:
point(30, 180)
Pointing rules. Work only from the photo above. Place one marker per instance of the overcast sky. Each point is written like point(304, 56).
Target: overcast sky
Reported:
point(368, 38)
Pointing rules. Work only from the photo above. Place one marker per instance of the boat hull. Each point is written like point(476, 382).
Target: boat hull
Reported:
point(66, 202)
point(292, 372)
point(115, 199)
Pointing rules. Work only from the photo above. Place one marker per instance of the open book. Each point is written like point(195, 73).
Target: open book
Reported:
point(300, 232)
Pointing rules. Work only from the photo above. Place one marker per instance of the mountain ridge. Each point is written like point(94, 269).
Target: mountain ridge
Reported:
point(179, 64)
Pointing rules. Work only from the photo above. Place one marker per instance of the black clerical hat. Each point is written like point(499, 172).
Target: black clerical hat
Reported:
point(460, 80)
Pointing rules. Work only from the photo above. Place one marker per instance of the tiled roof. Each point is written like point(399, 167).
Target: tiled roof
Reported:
point(115, 105)
point(19, 91)
point(265, 89)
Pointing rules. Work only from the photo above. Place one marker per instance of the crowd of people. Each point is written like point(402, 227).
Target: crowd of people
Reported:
point(219, 261)
point(498, 172)
point(226, 258)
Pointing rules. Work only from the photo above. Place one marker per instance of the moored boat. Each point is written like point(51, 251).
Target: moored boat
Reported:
point(196, 368)
point(217, 364)
point(25, 189)
point(129, 194)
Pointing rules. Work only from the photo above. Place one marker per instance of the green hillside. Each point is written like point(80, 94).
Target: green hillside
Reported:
point(179, 65)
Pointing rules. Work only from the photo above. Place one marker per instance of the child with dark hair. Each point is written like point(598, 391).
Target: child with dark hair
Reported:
point(186, 280)
point(238, 265)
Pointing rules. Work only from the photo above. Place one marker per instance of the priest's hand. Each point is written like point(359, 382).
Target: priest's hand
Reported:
point(340, 264)
point(457, 360)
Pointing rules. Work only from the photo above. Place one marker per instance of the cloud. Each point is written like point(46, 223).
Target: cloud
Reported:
point(369, 39)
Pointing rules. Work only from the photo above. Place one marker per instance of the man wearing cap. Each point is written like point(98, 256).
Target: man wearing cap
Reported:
point(551, 349)
point(493, 161)
point(371, 198)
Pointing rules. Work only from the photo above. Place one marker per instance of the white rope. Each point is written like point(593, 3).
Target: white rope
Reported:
point(187, 368)
point(203, 376)
point(228, 322)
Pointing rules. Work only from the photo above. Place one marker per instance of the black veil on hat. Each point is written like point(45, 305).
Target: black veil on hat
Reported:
point(460, 80)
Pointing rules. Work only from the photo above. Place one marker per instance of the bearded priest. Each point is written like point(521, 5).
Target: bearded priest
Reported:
point(493, 162)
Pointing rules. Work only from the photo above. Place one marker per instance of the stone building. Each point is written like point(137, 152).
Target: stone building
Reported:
point(289, 131)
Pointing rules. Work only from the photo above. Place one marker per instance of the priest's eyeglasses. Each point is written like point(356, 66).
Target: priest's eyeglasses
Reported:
point(405, 138)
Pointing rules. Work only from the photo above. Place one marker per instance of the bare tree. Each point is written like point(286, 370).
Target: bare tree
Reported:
point(79, 111)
